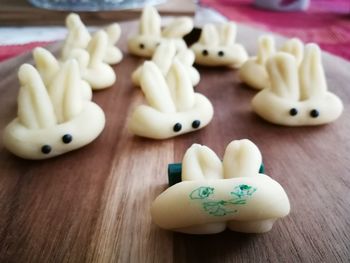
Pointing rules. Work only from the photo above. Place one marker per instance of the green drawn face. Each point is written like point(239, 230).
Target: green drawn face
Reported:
point(222, 207)
point(201, 192)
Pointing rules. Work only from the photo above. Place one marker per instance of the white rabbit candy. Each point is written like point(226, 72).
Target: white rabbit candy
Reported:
point(173, 106)
point(215, 195)
point(78, 38)
point(297, 96)
point(150, 33)
point(52, 118)
point(216, 46)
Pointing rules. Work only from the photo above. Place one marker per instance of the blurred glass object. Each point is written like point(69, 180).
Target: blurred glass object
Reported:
point(92, 5)
point(283, 5)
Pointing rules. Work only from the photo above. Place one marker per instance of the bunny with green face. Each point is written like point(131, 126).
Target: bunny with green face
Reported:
point(151, 34)
point(215, 195)
point(79, 37)
point(52, 119)
point(297, 96)
point(163, 57)
point(253, 72)
point(216, 46)
point(174, 108)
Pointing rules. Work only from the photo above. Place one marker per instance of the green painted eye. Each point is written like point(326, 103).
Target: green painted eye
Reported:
point(201, 192)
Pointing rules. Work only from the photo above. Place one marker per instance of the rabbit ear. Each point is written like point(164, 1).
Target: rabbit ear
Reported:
point(180, 86)
point(228, 33)
point(294, 47)
point(150, 22)
point(78, 35)
point(241, 159)
point(186, 56)
point(64, 92)
point(312, 78)
point(35, 110)
point(164, 55)
point(283, 75)
point(113, 32)
point(155, 88)
point(266, 48)
point(46, 64)
point(97, 48)
point(209, 35)
point(178, 28)
point(200, 162)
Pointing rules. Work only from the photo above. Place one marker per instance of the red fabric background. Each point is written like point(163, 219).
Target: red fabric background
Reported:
point(325, 22)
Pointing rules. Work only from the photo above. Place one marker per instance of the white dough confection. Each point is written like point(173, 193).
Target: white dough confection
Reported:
point(215, 195)
point(48, 67)
point(150, 33)
point(163, 58)
point(253, 72)
point(297, 96)
point(52, 119)
point(93, 69)
point(79, 37)
point(173, 106)
point(216, 46)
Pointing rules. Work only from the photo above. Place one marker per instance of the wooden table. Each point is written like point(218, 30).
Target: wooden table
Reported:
point(93, 204)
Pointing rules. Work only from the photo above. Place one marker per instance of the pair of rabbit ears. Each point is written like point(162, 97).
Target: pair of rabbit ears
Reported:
point(170, 94)
point(94, 53)
point(166, 52)
point(79, 36)
point(266, 48)
point(297, 83)
point(150, 24)
point(242, 158)
point(220, 35)
point(41, 106)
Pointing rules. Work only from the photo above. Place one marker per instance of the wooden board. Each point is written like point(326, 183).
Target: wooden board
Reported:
point(20, 12)
point(93, 204)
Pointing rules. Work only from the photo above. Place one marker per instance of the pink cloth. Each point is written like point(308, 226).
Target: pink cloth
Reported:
point(10, 51)
point(326, 23)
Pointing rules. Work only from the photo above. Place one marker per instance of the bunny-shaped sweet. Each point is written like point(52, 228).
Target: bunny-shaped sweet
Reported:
point(97, 73)
point(48, 67)
point(150, 34)
point(163, 57)
point(297, 96)
point(215, 195)
point(79, 37)
point(54, 119)
point(216, 46)
point(253, 71)
point(174, 108)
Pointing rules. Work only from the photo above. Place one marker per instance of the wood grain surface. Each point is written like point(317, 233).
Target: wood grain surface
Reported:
point(93, 204)
point(21, 12)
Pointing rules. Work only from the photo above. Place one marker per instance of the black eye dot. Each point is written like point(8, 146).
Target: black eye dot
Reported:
point(157, 44)
point(205, 52)
point(46, 149)
point(67, 138)
point(314, 113)
point(142, 46)
point(293, 112)
point(177, 127)
point(221, 53)
point(196, 124)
